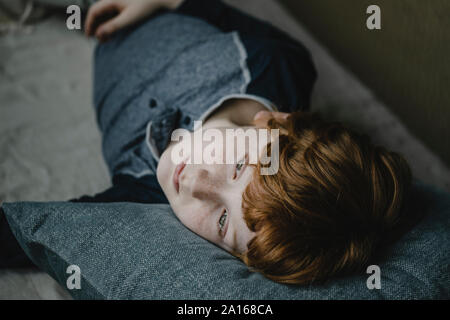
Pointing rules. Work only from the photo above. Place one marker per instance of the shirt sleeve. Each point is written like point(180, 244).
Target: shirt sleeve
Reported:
point(11, 253)
point(282, 73)
point(281, 68)
point(228, 18)
point(129, 189)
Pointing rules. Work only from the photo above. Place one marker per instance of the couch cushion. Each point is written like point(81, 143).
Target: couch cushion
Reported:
point(141, 251)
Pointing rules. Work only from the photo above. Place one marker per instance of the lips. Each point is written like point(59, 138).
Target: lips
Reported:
point(176, 175)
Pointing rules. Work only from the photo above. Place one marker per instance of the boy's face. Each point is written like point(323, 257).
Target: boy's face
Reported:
point(207, 198)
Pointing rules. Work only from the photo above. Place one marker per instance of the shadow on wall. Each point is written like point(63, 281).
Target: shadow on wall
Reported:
point(405, 63)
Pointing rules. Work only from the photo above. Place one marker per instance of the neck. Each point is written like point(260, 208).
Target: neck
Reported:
point(234, 113)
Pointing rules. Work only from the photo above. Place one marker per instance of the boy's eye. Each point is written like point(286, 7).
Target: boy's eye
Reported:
point(223, 220)
point(238, 168)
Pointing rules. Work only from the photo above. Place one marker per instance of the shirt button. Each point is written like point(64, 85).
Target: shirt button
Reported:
point(187, 120)
point(152, 103)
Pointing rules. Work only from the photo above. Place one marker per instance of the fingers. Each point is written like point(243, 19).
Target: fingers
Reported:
point(262, 117)
point(96, 12)
point(106, 29)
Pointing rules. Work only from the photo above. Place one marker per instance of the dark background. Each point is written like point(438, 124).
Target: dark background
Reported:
point(406, 63)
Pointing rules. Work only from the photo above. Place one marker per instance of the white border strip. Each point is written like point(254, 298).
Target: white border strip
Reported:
point(150, 142)
point(243, 61)
point(136, 175)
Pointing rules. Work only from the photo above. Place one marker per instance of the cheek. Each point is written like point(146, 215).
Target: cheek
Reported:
point(163, 171)
point(244, 236)
point(196, 220)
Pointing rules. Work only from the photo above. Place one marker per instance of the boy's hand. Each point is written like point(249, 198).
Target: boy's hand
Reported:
point(107, 16)
point(262, 118)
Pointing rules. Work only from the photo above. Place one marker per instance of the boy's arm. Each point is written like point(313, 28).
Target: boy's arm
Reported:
point(129, 189)
point(108, 16)
point(281, 68)
point(11, 253)
point(105, 17)
point(228, 18)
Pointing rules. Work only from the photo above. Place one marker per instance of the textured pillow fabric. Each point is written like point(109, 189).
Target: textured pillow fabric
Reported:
point(141, 251)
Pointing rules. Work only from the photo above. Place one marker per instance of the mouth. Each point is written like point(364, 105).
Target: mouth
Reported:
point(176, 175)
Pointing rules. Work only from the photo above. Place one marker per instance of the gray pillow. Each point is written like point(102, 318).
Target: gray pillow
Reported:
point(142, 251)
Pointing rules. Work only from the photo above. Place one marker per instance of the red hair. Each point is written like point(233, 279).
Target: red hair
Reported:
point(331, 203)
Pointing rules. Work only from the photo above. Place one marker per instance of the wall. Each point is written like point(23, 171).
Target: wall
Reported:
point(406, 63)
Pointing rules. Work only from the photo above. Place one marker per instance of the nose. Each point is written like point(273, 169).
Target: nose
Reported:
point(203, 184)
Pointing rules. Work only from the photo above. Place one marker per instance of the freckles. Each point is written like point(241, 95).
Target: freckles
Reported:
point(198, 221)
point(203, 193)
